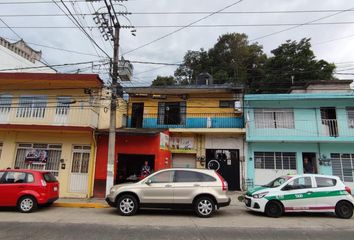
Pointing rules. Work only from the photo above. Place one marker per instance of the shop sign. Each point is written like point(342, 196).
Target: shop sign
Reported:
point(182, 143)
point(36, 156)
point(164, 140)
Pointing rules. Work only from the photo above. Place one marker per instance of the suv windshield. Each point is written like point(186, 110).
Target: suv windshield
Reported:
point(277, 182)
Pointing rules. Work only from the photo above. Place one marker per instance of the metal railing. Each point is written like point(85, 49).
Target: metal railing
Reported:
point(194, 120)
point(70, 116)
point(294, 129)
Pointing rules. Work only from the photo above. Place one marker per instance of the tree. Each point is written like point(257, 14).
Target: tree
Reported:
point(231, 60)
point(294, 64)
point(163, 81)
point(194, 63)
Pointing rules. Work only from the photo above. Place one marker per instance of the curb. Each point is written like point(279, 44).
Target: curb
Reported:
point(79, 205)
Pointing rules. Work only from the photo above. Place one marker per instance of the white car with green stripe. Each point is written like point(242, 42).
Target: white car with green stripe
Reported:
point(302, 193)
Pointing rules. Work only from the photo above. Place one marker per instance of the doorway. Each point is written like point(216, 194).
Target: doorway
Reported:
point(329, 121)
point(130, 165)
point(227, 163)
point(137, 115)
point(311, 166)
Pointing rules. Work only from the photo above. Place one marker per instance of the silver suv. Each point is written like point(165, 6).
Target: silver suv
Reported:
point(199, 189)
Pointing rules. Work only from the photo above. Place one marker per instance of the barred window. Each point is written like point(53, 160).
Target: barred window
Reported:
point(275, 160)
point(350, 115)
point(343, 166)
point(274, 118)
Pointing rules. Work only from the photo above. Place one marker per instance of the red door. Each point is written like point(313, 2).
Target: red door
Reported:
point(1, 189)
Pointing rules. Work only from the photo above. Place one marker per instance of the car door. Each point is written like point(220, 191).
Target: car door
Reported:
point(11, 186)
point(158, 188)
point(187, 184)
point(326, 193)
point(297, 195)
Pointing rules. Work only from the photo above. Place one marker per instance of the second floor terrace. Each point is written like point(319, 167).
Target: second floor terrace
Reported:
point(49, 99)
point(207, 107)
point(299, 117)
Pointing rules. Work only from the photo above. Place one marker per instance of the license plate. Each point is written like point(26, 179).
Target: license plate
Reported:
point(55, 189)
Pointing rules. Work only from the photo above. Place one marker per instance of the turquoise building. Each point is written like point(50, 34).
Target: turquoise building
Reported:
point(306, 130)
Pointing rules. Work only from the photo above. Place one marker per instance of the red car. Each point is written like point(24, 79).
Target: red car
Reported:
point(27, 189)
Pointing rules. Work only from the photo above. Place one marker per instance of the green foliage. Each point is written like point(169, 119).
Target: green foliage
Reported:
point(163, 81)
point(294, 63)
point(234, 60)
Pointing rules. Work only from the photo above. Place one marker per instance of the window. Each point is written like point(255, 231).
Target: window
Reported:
point(226, 104)
point(325, 182)
point(81, 159)
point(274, 118)
point(48, 177)
point(15, 177)
point(1, 174)
point(299, 183)
point(5, 104)
point(191, 176)
point(275, 160)
point(343, 166)
point(171, 113)
point(32, 106)
point(164, 177)
point(350, 115)
point(53, 157)
point(63, 105)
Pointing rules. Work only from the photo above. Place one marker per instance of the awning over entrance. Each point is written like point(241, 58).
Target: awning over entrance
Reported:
point(133, 131)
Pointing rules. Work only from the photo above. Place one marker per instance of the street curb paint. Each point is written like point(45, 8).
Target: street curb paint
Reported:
point(80, 205)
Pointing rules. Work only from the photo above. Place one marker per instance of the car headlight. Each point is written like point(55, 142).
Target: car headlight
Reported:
point(112, 190)
point(260, 195)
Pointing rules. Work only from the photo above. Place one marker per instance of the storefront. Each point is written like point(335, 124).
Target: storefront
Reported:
point(267, 161)
point(134, 149)
point(225, 155)
point(68, 155)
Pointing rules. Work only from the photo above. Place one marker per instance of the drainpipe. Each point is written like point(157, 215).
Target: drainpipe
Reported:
point(94, 152)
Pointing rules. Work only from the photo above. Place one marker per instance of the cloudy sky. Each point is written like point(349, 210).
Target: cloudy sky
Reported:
point(332, 42)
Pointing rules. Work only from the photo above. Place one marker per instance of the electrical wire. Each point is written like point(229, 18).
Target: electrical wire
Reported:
point(180, 29)
point(78, 25)
point(300, 25)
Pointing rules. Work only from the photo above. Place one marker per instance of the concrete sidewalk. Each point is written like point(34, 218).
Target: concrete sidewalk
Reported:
point(101, 203)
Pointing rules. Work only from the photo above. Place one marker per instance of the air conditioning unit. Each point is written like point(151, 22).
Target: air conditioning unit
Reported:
point(238, 106)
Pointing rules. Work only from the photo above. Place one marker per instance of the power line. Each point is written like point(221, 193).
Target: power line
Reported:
point(54, 65)
point(7, 26)
point(180, 29)
point(78, 25)
point(300, 25)
point(183, 13)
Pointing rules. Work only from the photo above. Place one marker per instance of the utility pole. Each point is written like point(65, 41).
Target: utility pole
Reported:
point(110, 28)
point(113, 113)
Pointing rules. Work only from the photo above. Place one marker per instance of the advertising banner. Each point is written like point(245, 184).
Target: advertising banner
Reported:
point(36, 156)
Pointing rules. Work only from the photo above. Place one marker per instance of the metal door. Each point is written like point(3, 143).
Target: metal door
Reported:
point(79, 169)
point(227, 163)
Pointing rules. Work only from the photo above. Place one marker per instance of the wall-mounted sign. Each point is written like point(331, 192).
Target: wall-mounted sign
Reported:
point(182, 143)
point(164, 140)
point(36, 156)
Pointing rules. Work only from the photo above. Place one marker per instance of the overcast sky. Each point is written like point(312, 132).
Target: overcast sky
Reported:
point(333, 43)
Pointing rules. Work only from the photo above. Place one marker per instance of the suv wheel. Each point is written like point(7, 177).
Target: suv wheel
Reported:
point(344, 210)
point(27, 204)
point(204, 207)
point(274, 209)
point(127, 205)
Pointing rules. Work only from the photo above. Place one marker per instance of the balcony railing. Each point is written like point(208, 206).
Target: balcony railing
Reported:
point(65, 116)
point(325, 128)
point(196, 120)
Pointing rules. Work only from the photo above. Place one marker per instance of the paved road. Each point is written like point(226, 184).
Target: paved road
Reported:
point(228, 223)
point(45, 231)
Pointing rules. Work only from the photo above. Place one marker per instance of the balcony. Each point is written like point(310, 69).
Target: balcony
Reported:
point(301, 130)
point(65, 116)
point(207, 120)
